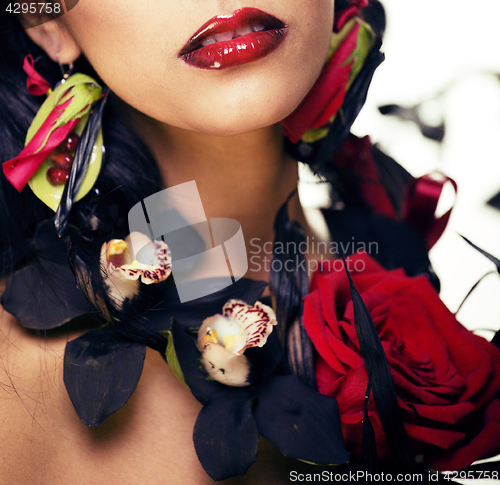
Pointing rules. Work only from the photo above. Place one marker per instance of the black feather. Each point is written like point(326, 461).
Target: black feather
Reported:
point(290, 285)
point(380, 380)
point(80, 165)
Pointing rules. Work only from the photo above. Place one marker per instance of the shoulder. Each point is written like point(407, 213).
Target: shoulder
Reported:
point(30, 370)
point(43, 441)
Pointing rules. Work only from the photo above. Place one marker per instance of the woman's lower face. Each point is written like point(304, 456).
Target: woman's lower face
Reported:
point(137, 50)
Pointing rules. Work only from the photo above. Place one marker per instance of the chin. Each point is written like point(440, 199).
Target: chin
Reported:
point(231, 129)
point(240, 117)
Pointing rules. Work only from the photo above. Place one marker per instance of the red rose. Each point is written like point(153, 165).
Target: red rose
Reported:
point(447, 379)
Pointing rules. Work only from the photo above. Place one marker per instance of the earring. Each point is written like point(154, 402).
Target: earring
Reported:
point(65, 73)
point(63, 150)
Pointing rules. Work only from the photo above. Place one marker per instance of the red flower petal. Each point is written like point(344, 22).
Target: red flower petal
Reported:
point(19, 170)
point(320, 335)
point(36, 84)
point(484, 444)
point(450, 413)
point(444, 438)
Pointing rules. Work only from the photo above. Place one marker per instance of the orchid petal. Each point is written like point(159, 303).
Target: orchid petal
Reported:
point(224, 366)
point(257, 321)
point(121, 273)
point(223, 339)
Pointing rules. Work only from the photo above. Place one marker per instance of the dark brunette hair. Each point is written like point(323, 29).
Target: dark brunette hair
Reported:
point(120, 181)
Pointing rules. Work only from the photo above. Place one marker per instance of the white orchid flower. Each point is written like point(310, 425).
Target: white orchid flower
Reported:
point(223, 339)
point(121, 272)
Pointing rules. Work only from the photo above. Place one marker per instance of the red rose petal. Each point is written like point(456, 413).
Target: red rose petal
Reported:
point(451, 413)
point(328, 345)
point(484, 444)
point(443, 438)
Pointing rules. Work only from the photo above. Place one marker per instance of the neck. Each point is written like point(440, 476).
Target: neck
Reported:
point(244, 177)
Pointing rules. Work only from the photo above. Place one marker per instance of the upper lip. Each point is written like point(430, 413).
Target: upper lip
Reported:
point(225, 23)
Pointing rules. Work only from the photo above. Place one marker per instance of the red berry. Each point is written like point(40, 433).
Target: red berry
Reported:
point(70, 143)
point(57, 176)
point(61, 160)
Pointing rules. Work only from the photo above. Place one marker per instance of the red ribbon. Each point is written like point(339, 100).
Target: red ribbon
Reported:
point(36, 84)
point(420, 204)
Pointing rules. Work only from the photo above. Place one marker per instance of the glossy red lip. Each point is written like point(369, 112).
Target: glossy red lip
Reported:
point(262, 34)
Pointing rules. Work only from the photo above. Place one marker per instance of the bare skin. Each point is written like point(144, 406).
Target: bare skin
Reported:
point(148, 441)
point(245, 177)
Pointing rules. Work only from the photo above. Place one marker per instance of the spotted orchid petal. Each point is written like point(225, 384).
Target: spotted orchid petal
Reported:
point(224, 338)
point(256, 322)
point(121, 271)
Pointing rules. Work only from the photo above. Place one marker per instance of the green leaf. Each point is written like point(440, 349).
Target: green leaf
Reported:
point(171, 356)
point(365, 40)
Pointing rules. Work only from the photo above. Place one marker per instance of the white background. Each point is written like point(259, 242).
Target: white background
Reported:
point(451, 45)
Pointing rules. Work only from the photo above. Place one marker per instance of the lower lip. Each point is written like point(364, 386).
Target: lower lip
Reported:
point(236, 52)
